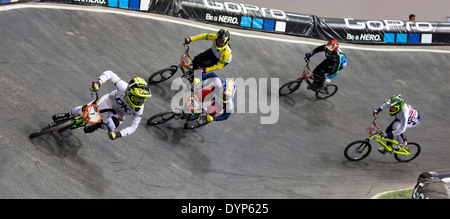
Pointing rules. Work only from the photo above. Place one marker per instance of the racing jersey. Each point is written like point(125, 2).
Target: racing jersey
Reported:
point(338, 59)
point(224, 108)
point(224, 56)
point(117, 101)
point(408, 117)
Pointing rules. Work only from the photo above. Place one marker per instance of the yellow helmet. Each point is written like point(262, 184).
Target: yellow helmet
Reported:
point(137, 93)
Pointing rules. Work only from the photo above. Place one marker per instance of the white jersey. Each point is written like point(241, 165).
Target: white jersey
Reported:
point(115, 103)
point(408, 117)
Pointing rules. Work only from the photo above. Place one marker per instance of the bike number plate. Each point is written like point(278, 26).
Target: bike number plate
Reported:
point(307, 72)
point(373, 129)
point(193, 104)
point(91, 114)
point(186, 60)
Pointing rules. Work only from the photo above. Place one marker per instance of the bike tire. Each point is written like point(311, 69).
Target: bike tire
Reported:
point(50, 129)
point(357, 150)
point(162, 75)
point(289, 88)
point(414, 150)
point(327, 91)
point(161, 118)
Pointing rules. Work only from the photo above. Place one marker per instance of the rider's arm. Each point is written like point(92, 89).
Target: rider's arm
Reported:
point(381, 108)
point(222, 117)
point(133, 124)
point(317, 49)
point(228, 108)
point(340, 64)
point(205, 36)
point(109, 76)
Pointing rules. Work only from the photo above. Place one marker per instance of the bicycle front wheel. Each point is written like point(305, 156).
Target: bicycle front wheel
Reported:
point(289, 87)
point(326, 91)
point(161, 118)
point(52, 128)
point(357, 150)
point(413, 149)
point(162, 75)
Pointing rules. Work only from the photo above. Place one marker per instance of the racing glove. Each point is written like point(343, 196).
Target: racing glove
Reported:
point(95, 86)
point(307, 56)
point(187, 40)
point(113, 136)
point(376, 111)
point(209, 118)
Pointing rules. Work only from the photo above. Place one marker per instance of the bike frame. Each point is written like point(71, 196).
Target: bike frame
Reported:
point(373, 131)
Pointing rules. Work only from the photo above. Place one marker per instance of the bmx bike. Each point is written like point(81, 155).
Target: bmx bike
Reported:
point(323, 92)
point(91, 116)
point(359, 150)
point(192, 112)
point(166, 73)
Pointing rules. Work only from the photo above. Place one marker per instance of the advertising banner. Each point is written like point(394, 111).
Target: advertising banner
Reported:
point(383, 31)
point(236, 15)
point(272, 20)
point(252, 17)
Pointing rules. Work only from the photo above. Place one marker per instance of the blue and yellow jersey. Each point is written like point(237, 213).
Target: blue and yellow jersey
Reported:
point(224, 56)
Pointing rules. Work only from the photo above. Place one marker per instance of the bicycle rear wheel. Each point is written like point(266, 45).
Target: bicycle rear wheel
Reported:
point(357, 150)
point(414, 150)
point(161, 118)
point(52, 128)
point(289, 87)
point(162, 75)
point(326, 91)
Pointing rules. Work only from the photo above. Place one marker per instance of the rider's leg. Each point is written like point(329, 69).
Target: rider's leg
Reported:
point(388, 129)
point(319, 74)
point(393, 126)
point(212, 109)
point(203, 94)
point(112, 122)
point(104, 103)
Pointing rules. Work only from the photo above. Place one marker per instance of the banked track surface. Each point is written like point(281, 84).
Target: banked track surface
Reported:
point(49, 57)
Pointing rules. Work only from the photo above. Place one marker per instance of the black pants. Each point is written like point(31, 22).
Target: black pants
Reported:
point(326, 66)
point(205, 59)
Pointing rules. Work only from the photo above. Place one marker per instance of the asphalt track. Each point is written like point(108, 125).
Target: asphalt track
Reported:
point(49, 57)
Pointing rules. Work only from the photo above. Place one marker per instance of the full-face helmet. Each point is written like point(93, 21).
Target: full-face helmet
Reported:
point(222, 39)
point(137, 93)
point(332, 46)
point(397, 104)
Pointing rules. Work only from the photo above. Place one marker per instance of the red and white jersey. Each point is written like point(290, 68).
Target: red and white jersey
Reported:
point(409, 117)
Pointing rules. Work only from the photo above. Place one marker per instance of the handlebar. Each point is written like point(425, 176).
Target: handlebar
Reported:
point(307, 61)
point(186, 47)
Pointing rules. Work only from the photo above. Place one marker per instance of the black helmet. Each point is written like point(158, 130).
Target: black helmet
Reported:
point(222, 39)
